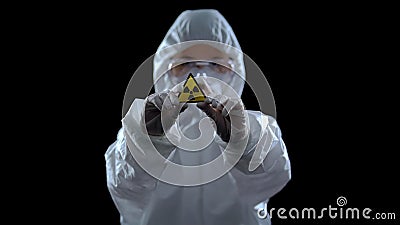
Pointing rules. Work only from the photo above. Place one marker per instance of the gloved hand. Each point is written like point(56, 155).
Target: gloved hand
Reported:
point(216, 111)
point(154, 105)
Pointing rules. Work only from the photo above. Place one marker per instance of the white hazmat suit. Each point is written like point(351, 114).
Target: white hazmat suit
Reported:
point(234, 198)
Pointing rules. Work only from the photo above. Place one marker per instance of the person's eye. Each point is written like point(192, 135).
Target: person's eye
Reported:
point(180, 69)
point(222, 69)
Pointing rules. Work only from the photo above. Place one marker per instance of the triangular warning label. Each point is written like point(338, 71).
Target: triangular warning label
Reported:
point(191, 91)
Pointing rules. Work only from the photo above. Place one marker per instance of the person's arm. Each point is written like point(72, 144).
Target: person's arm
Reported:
point(274, 170)
point(129, 185)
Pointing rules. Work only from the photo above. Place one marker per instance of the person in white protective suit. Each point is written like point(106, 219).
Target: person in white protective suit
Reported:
point(207, 48)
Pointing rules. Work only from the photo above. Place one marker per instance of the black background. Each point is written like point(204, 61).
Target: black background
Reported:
point(327, 65)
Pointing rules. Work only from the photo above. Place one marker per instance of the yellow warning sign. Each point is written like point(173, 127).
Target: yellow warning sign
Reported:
point(191, 91)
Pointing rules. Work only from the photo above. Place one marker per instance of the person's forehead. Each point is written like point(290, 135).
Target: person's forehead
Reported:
point(202, 51)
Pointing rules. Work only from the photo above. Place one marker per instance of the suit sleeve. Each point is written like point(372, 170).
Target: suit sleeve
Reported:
point(265, 168)
point(130, 186)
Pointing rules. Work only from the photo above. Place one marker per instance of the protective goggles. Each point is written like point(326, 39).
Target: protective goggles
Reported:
point(220, 70)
